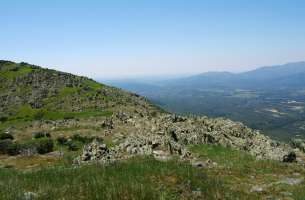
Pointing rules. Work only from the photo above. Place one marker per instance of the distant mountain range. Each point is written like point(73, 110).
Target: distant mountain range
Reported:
point(274, 77)
point(268, 98)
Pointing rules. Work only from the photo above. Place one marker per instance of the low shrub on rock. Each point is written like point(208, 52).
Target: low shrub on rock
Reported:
point(44, 145)
point(3, 117)
point(72, 146)
point(5, 136)
point(31, 147)
point(62, 140)
point(4, 145)
point(13, 149)
point(39, 115)
point(80, 138)
point(38, 135)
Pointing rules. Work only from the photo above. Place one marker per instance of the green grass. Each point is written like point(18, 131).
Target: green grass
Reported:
point(140, 178)
point(68, 91)
point(94, 85)
point(237, 160)
point(20, 71)
point(67, 115)
point(27, 113)
point(240, 171)
point(146, 178)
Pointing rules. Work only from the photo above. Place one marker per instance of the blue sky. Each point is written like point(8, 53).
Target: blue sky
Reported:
point(123, 38)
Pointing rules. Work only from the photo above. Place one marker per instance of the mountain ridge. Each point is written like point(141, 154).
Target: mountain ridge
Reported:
point(242, 96)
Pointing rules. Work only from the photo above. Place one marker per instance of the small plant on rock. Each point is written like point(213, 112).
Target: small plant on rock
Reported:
point(44, 145)
point(4, 146)
point(5, 136)
point(62, 140)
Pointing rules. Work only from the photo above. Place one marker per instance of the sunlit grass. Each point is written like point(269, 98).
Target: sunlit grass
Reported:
point(139, 178)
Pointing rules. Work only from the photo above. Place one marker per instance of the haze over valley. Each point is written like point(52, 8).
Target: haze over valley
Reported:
point(270, 99)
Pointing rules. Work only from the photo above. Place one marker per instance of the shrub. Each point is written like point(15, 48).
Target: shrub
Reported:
point(24, 64)
point(83, 139)
point(62, 140)
point(38, 135)
point(41, 146)
point(13, 149)
point(4, 145)
point(3, 117)
point(44, 145)
point(72, 146)
point(4, 136)
point(39, 115)
point(27, 147)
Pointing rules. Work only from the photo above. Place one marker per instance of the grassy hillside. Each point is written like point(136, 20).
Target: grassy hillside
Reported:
point(28, 93)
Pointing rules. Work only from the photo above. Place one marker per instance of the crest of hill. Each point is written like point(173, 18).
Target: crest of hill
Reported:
point(32, 92)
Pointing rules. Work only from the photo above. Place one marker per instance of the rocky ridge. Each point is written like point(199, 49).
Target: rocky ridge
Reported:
point(170, 135)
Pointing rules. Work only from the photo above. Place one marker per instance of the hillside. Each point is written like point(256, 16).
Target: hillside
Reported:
point(270, 99)
point(86, 140)
point(30, 92)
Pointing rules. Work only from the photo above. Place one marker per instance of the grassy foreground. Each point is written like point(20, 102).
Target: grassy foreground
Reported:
point(141, 178)
point(145, 178)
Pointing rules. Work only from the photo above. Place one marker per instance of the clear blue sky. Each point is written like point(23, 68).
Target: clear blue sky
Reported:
point(117, 38)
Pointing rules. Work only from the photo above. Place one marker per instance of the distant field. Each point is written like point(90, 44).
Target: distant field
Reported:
point(270, 99)
point(280, 115)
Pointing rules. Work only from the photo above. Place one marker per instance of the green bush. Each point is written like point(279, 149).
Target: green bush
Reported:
point(41, 146)
point(38, 135)
point(62, 140)
point(13, 149)
point(39, 115)
point(72, 146)
point(27, 147)
point(3, 117)
point(82, 139)
point(44, 145)
point(4, 136)
point(4, 145)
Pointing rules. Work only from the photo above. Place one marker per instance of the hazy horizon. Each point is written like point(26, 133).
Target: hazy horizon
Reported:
point(120, 39)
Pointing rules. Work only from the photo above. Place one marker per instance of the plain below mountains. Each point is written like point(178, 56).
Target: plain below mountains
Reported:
point(270, 98)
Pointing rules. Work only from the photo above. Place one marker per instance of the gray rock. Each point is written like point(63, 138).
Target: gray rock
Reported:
point(257, 188)
point(291, 181)
point(172, 134)
point(199, 164)
point(29, 196)
point(162, 155)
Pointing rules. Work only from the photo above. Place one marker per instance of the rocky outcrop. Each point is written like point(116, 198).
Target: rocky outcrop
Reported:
point(168, 135)
point(97, 151)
